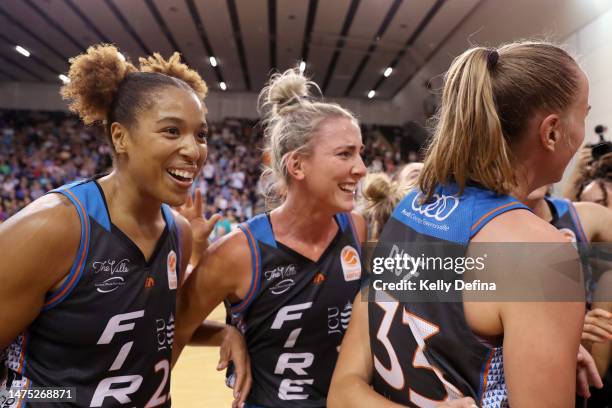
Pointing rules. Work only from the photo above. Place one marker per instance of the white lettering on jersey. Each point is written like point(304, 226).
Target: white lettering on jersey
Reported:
point(292, 386)
point(114, 325)
point(291, 389)
point(120, 394)
point(292, 338)
point(286, 313)
point(304, 361)
point(123, 353)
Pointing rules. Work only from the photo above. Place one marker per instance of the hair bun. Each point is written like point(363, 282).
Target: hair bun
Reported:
point(377, 187)
point(285, 90)
point(173, 67)
point(94, 79)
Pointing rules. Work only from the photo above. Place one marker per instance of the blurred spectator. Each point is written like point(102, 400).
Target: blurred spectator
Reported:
point(40, 151)
point(596, 182)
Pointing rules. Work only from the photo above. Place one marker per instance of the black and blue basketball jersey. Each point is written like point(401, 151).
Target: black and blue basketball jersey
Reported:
point(565, 219)
point(295, 314)
point(425, 352)
point(108, 330)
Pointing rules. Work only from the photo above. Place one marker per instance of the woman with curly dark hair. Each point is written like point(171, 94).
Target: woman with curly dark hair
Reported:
point(596, 182)
point(91, 270)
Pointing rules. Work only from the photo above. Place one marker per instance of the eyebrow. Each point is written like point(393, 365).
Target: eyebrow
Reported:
point(351, 146)
point(178, 120)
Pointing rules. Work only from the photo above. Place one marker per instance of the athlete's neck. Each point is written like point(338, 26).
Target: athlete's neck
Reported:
point(125, 199)
point(540, 208)
point(297, 219)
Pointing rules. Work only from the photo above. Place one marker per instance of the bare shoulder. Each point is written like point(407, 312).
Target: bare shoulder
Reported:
point(232, 250)
point(227, 266)
point(518, 226)
point(51, 216)
point(48, 230)
point(592, 212)
point(587, 210)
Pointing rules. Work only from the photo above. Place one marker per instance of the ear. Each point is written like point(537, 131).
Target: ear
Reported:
point(119, 137)
point(295, 166)
point(550, 132)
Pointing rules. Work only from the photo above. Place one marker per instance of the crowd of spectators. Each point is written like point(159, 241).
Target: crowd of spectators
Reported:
point(40, 151)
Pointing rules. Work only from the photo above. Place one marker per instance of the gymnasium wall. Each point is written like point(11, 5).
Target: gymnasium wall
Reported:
point(39, 96)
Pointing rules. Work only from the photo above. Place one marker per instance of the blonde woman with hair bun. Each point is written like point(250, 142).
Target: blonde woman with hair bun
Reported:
point(289, 276)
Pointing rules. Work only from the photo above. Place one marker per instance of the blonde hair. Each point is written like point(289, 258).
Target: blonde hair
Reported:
point(488, 99)
point(380, 195)
point(291, 116)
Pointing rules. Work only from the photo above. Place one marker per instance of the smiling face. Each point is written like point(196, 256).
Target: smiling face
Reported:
point(166, 147)
point(334, 166)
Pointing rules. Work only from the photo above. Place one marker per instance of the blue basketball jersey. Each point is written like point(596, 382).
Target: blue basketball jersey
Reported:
point(565, 219)
point(108, 330)
point(425, 352)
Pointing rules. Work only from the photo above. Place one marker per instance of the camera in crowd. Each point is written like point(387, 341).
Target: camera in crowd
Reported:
point(603, 146)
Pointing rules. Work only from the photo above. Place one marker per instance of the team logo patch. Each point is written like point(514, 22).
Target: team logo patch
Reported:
point(110, 275)
point(351, 265)
point(440, 209)
point(172, 277)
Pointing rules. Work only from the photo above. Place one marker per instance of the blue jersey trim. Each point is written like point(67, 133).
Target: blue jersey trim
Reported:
point(88, 193)
point(256, 268)
point(76, 271)
point(484, 220)
point(173, 228)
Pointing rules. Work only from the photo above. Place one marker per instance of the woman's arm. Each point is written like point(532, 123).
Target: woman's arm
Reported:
point(583, 157)
point(602, 299)
point(596, 221)
point(350, 385)
point(541, 341)
point(541, 338)
point(224, 274)
point(39, 245)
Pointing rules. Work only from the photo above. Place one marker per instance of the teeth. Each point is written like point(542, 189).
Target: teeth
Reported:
point(181, 173)
point(349, 188)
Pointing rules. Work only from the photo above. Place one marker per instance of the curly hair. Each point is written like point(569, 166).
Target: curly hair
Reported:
point(600, 171)
point(104, 87)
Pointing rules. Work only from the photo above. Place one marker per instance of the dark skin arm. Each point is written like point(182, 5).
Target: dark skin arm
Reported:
point(39, 245)
point(225, 273)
